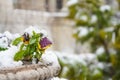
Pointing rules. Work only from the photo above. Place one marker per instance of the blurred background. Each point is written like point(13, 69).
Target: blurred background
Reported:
point(85, 33)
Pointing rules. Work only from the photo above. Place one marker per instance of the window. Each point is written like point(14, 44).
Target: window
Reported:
point(59, 4)
point(47, 5)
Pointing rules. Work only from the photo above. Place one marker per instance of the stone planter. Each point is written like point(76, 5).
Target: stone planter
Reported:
point(38, 71)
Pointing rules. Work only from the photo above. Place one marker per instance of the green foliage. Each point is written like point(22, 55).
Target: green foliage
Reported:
point(76, 70)
point(26, 51)
point(3, 49)
point(90, 14)
point(17, 41)
point(19, 55)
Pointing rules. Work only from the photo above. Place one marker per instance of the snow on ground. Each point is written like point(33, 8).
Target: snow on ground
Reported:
point(6, 58)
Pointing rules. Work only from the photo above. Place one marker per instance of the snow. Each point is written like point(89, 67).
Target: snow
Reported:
point(44, 32)
point(6, 58)
point(56, 78)
point(110, 29)
point(72, 2)
point(105, 8)
point(100, 50)
point(30, 30)
point(83, 18)
point(96, 71)
point(50, 57)
point(100, 65)
point(4, 42)
point(6, 38)
point(83, 58)
point(83, 31)
point(8, 35)
point(93, 18)
point(14, 36)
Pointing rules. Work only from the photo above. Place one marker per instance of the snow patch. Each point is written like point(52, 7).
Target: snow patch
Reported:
point(83, 31)
point(56, 78)
point(4, 42)
point(50, 57)
point(83, 18)
point(7, 58)
point(93, 18)
point(72, 2)
point(100, 51)
point(30, 30)
point(105, 8)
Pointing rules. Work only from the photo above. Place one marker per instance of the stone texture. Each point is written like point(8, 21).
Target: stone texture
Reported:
point(30, 72)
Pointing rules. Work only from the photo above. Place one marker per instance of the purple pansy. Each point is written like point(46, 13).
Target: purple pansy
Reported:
point(45, 42)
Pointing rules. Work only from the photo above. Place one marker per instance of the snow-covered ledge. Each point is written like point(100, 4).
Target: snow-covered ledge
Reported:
point(48, 68)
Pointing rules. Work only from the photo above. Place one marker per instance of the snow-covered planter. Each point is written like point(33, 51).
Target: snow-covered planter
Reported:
point(25, 57)
point(48, 68)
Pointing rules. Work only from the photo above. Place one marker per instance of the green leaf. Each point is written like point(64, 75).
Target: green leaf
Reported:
point(17, 41)
point(3, 49)
point(32, 40)
point(19, 55)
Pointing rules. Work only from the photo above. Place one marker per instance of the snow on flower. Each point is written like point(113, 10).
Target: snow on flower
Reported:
point(105, 8)
point(33, 39)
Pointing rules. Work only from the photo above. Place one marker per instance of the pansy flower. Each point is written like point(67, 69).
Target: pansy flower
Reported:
point(25, 38)
point(45, 43)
